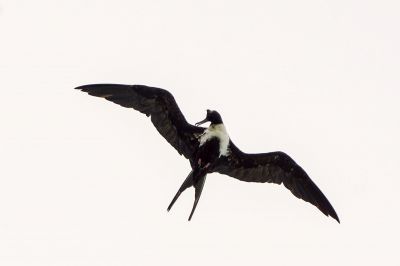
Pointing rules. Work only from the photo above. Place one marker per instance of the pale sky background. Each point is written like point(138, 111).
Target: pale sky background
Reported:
point(87, 182)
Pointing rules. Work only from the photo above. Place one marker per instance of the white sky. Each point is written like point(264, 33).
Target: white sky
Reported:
point(86, 182)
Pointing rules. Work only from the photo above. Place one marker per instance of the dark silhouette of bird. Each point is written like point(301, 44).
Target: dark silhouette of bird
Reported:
point(211, 149)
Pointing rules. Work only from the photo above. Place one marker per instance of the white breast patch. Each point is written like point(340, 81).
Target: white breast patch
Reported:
point(217, 131)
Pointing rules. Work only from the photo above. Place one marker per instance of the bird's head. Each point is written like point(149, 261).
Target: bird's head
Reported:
point(212, 116)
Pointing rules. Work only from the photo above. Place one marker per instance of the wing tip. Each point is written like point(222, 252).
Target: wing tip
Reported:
point(104, 90)
point(328, 210)
point(87, 87)
point(80, 87)
point(334, 216)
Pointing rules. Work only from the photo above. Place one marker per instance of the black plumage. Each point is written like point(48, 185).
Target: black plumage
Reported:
point(204, 148)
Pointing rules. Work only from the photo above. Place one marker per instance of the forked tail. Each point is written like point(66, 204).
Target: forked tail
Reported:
point(195, 178)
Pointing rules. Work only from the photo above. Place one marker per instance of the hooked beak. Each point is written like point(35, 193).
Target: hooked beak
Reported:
point(202, 122)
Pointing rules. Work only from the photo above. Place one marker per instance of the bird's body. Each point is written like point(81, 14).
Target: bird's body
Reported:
point(211, 149)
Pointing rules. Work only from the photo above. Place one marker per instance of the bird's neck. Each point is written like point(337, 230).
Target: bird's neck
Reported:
point(217, 127)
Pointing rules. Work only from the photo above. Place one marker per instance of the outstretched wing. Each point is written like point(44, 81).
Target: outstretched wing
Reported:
point(157, 103)
point(275, 167)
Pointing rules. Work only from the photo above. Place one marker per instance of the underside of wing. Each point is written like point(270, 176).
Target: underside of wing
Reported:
point(157, 103)
point(278, 168)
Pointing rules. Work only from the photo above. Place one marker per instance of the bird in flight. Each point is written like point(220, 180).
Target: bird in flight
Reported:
point(211, 149)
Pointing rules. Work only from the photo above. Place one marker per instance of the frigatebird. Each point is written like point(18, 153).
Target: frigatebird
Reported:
point(211, 149)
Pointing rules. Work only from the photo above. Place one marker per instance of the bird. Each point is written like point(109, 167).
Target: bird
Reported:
point(210, 149)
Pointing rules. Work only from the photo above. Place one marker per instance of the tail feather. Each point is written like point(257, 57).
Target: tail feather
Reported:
point(196, 178)
point(198, 189)
point(186, 184)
